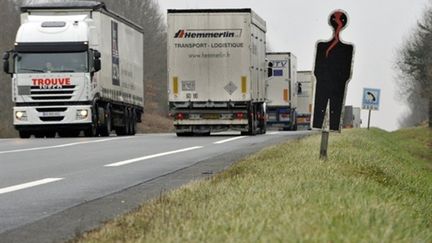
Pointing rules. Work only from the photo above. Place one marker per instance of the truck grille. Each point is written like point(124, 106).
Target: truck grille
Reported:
point(52, 109)
point(51, 114)
point(51, 118)
point(64, 93)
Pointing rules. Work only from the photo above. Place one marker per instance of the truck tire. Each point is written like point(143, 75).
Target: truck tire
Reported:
point(124, 129)
point(24, 134)
point(252, 127)
point(105, 128)
point(133, 122)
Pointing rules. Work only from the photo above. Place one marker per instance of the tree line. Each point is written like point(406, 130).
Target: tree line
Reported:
point(145, 13)
point(414, 66)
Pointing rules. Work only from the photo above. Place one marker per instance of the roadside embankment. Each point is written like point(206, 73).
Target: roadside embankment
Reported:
point(376, 186)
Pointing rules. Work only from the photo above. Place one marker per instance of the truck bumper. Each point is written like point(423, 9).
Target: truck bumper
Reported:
point(211, 122)
point(205, 126)
point(52, 115)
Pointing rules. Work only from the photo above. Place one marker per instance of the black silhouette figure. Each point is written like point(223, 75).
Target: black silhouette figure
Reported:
point(332, 72)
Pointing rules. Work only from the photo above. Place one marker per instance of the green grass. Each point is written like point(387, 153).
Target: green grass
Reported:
point(375, 187)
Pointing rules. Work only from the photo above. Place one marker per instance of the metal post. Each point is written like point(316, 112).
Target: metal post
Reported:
point(324, 145)
point(325, 134)
point(369, 118)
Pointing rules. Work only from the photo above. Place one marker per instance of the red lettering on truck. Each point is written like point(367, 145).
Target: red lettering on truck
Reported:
point(51, 81)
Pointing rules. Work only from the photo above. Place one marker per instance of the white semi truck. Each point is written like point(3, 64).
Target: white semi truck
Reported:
point(305, 96)
point(282, 90)
point(216, 67)
point(76, 66)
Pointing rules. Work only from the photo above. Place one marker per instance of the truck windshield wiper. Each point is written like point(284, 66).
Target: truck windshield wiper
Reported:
point(33, 70)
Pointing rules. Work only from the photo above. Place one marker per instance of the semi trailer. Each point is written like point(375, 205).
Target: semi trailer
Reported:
point(305, 96)
point(281, 90)
point(216, 69)
point(76, 66)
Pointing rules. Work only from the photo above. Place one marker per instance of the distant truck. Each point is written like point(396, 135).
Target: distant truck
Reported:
point(305, 96)
point(216, 69)
point(281, 90)
point(76, 66)
point(351, 117)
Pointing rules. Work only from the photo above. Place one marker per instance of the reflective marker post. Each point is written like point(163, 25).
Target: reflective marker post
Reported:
point(325, 134)
point(324, 145)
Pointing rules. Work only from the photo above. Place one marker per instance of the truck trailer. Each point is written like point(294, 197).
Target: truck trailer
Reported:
point(76, 66)
point(281, 90)
point(305, 96)
point(216, 69)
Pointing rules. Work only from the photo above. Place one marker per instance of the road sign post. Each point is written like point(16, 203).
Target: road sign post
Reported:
point(370, 111)
point(371, 100)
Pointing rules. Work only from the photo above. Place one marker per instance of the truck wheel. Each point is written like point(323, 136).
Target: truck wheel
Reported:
point(264, 128)
point(24, 134)
point(133, 122)
point(129, 122)
point(105, 129)
point(124, 129)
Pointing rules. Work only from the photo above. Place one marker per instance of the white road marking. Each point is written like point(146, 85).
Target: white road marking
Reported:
point(28, 185)
point(61, 145)
point(228, 140)
point(273, 133)
point(130, 161)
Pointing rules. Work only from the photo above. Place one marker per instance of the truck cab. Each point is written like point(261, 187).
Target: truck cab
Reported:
point(281, 90)
point(54, 68)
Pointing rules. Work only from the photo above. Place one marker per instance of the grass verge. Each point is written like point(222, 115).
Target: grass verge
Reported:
point(375, 187)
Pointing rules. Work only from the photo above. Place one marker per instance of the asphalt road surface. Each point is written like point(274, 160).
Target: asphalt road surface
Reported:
point(53, 189)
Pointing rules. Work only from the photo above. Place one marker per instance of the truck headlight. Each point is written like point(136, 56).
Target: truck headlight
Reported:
point(21, 115)
point(82, 114)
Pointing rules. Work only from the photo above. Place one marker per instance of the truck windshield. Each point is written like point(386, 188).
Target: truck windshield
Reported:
point(51, 62)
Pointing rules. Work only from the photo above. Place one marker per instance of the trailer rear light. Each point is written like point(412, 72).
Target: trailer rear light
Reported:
point(239, 115)
point(180, 116)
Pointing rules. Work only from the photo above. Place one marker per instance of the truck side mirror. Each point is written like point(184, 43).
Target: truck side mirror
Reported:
point(97, 54)
point(299, 88)
point(96, 61)
point(6, 66)
point(97, 65)
point(270, 70)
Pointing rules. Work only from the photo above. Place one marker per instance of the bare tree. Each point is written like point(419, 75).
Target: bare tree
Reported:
point(9, 17)
point(414, 64)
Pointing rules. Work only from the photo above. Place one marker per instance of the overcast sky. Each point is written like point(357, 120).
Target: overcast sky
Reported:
point(377, 28)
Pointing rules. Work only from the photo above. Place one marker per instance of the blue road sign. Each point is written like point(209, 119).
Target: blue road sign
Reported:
point(371, 99)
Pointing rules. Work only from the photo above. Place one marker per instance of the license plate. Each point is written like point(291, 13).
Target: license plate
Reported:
point(50, 113)
point(210, 116)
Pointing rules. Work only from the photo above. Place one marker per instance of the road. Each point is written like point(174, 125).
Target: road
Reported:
point(52, 189)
